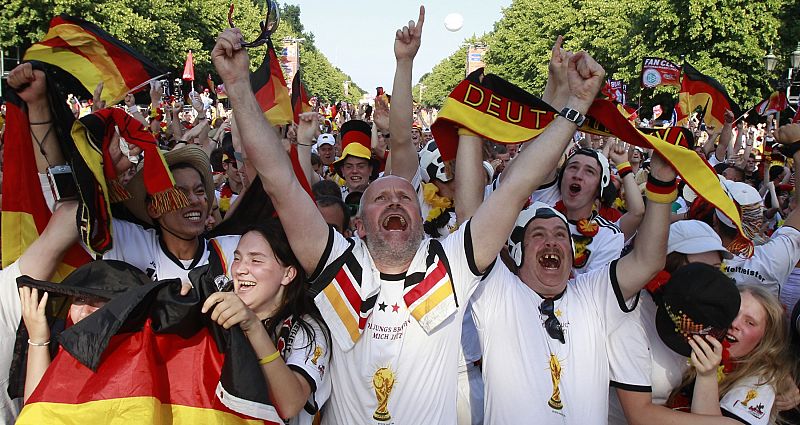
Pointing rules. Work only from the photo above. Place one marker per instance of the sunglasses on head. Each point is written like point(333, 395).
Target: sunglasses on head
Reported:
point(552, 325)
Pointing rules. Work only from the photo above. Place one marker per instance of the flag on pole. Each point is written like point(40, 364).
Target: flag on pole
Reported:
point(660, 72)
point(706, 95)
point(300, 102)
point(657, 111)
point(777, 102)
point(270, 89)
point(188, 67)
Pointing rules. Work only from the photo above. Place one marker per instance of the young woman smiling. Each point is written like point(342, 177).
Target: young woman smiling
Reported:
point(280, 320)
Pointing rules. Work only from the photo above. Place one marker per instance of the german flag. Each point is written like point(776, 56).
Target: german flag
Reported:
point(149, 356)
point(704, 94)
point(270, 89)
point(299, 98)
point(504, 113)
point(24, 211)
point(92, 55)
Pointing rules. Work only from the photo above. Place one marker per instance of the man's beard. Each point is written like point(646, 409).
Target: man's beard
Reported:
point(389, 253)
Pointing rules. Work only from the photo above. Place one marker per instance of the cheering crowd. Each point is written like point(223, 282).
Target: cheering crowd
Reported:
point(572, 278)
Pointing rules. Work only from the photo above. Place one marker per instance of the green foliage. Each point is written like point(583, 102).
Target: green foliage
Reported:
point(438, 83)
point(165, 30)
point(725, 39)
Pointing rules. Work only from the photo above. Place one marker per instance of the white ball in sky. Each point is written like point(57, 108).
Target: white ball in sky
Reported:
point(453, 22)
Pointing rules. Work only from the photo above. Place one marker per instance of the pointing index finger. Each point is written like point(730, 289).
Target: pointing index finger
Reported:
point(421, 19)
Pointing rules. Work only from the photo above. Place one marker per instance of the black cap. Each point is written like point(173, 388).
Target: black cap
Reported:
point(100, 279)
point(698, 299)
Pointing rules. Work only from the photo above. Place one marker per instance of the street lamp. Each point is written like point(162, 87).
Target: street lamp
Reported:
point(770, 61)
point(795, 57)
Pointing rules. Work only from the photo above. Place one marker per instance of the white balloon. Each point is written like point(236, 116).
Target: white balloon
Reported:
point(453, 22)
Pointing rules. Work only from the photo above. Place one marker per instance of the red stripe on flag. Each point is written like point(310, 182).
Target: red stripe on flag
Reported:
point(426, 284)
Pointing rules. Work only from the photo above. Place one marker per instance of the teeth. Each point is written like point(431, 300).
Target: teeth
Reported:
point(402, 221)
point(193, 216)
point(246, 283)
point(731, 338)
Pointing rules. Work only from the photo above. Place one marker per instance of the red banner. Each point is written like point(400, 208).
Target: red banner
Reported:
point(660, 72)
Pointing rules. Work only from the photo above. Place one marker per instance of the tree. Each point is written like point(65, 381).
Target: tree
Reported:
point(444, 76)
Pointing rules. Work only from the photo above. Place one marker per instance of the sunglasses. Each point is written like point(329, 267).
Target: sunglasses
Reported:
point(551, 324)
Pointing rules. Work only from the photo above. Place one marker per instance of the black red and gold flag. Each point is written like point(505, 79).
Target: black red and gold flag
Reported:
point(300, 98)
point(92, 55)
point(499, 111)
point(150, 356)
point(270, 89)
point(705, 95)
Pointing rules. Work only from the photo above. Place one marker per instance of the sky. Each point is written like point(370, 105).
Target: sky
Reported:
point(358, 35)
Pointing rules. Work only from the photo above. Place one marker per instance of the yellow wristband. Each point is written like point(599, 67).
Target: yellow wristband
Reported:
point(662, 198)
point(269, 359)
point(465, 132)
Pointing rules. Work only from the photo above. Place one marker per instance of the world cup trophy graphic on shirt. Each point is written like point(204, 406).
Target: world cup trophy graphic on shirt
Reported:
point(382, 382)
point(555, 375)
point(751, 394)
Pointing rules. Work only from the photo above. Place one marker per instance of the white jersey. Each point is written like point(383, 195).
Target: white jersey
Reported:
point(143, 249)
point(548, 193)
point(312, 361)
point(771, 262)
point(639, 361)
point(749, 401)
point(531, 377)
point(593, 252)
point(10, 316)
point(396, 373)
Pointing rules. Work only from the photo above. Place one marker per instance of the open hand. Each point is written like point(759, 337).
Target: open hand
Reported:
point(706, 355)
point(408, 38)
point(380, 114)
point(33, 314)
point(97, 102)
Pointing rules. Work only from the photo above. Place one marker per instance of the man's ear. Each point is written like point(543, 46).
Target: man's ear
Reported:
point(151, 211)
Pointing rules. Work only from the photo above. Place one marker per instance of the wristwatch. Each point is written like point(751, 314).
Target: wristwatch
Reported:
point(573, 115)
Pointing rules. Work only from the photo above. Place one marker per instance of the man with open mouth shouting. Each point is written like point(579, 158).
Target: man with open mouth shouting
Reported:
point(393, 299)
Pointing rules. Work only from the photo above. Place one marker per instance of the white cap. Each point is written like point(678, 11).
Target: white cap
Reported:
point(694, 237)
point(741, 193)
point(326, 139)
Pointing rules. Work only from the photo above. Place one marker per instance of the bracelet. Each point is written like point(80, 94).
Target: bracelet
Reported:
point(269, 359)
point(624, 169)
point(660, 191)
point(38, 344)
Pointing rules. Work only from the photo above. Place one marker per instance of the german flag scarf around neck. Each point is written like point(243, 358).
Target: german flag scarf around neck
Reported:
point(495, 109)
point(346, 291)
point(92, 55)
point(93, 135)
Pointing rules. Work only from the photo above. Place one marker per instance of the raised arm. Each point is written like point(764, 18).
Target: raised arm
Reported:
point(634, 203)
point(495, 218)
point(725, 138)
point(302, 221)
point(649, 256)
point(406, 44)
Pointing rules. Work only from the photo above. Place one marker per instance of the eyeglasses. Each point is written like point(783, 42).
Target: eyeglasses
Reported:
point(551, 324)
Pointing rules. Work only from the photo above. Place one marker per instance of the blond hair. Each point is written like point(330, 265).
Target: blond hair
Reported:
point(769, 360)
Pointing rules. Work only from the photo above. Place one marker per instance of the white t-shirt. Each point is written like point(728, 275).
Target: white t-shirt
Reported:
point(9, 321)
point(640, 361)
point(749, 402)
point(597, 251)
point(142, 248)
point(519, 356)
point(771, 262)
point(418, 370)
point(311, 361)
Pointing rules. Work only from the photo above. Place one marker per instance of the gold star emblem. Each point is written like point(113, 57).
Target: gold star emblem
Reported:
point(558, 312)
